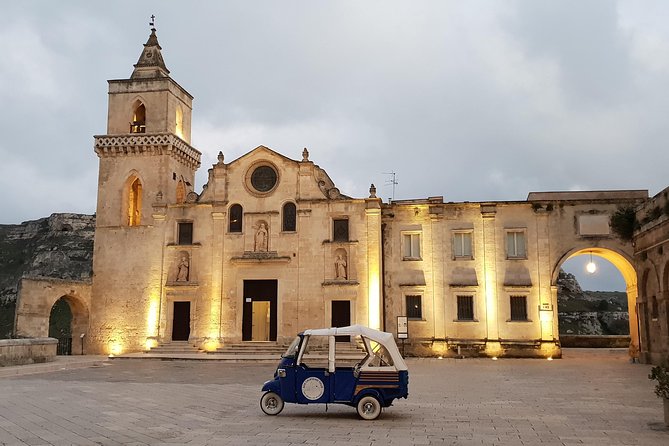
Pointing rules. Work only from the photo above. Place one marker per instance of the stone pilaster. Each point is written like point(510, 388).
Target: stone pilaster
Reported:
point(374, 267)
point(488, 212)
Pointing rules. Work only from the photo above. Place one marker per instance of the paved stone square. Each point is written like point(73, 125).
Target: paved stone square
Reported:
point(589, 397)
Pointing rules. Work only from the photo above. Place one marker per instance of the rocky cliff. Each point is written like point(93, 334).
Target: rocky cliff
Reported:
point(590, 312)
point(59, 246)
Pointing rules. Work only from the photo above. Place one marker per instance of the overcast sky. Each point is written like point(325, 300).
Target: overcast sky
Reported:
point(470, 100)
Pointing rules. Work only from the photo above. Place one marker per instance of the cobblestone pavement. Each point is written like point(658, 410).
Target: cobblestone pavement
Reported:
point(589, 397)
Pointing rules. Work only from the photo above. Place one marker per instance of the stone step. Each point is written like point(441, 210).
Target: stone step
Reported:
point(170, 348)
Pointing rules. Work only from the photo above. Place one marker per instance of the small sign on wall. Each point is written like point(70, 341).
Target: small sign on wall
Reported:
point(402, 327)
point(248, 299)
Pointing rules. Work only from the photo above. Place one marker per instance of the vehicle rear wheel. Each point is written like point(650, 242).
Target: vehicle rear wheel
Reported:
point(271, 403)
point(369, 408)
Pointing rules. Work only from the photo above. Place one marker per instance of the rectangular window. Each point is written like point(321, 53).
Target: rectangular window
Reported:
point(465, 308)
point(515, 245)
point(411, 246)
point(518, 308)
point(185, 236)
point(462, 245)
point(340, 230)
point(414, 307)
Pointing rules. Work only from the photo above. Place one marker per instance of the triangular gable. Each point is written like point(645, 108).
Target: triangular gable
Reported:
point(265, 150)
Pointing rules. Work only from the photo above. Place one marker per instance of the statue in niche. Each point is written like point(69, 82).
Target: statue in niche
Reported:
point(340, 267)
point(261, 238)
point(183, 269)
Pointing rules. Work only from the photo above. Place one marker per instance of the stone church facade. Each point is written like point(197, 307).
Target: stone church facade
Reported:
point(270, 246)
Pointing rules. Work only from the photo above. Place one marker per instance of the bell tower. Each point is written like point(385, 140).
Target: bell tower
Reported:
point(145, 157)
point(146, 167)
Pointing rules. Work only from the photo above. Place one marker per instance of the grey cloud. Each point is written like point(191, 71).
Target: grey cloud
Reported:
point(470, 100)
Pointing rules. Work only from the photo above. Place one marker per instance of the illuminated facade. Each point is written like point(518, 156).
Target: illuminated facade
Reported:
point(270, 247)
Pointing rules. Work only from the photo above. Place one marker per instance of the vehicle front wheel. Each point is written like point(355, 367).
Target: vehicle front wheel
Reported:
point(271, 403)
point(369, 408)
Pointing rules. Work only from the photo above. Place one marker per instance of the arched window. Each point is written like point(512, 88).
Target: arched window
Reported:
point(181, 192)
point(236, 215)
point(134, 210)
point(289, 217)
point(179, 122)
point(138, 124)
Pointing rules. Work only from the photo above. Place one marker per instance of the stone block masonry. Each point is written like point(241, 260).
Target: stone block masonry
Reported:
point(27, 351)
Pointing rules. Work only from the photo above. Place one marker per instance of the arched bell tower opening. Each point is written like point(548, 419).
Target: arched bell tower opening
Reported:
point(624, 265)
point(138, 123)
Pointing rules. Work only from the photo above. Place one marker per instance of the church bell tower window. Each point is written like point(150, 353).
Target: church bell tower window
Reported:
point(138, 124)
point(179, 122)
point(134, 203)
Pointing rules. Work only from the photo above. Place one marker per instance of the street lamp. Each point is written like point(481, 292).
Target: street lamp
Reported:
point(591, 267)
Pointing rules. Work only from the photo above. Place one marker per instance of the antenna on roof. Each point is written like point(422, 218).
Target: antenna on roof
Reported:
point(152, 23)
point(391, 180)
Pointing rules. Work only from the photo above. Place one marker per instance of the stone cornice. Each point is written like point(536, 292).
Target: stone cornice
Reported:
point(147, 144)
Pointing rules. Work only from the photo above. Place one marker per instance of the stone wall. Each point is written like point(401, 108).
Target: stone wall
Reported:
point(583, 341)
point(651, 260)
point(27, 351)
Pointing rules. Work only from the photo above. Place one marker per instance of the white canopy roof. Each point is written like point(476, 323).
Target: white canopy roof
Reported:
point(383, 338)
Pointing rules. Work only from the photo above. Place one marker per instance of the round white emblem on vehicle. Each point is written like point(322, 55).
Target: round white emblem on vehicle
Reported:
point(312, 388)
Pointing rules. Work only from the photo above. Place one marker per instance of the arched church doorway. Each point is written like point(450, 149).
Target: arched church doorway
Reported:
point(590, 258)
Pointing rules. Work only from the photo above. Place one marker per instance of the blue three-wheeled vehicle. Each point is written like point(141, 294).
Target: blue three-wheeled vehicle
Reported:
point(367, 373)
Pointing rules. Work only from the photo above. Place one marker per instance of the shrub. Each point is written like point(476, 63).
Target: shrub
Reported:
point(623, 222)
point(660, 373)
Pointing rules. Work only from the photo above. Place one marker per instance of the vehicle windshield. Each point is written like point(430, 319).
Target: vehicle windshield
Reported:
point(292, 349)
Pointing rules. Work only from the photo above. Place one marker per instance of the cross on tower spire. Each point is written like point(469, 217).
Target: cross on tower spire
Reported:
point(152, 23)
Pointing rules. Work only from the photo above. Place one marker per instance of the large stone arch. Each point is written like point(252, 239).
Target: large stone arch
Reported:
point(623, 262)
point(36, 298)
